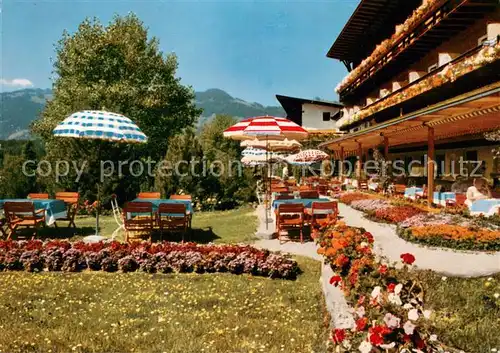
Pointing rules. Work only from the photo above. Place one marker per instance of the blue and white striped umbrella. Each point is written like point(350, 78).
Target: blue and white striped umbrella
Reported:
point(96, 124)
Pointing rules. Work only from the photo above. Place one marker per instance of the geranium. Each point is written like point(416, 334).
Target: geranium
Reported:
point(390, 287)
point(338, 335)
point(407, 258)
point(382, 269)
point(377, 333)
point(396, 214)
point(335, 280)
point(361, 324)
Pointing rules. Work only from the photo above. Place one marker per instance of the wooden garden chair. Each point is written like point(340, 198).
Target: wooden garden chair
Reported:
point(399, 190)
point(321, 213)
point(23, 215)
point(149, 195)
point(173, 217)
point(138, 219)
point(363, 185)
point(459, 200)
point(2, 230)
point(309, 194)
point(71, 199)
point(181, 197)
point(280, 189)
point(38, 196)
point(290, 217)
point(284, 197)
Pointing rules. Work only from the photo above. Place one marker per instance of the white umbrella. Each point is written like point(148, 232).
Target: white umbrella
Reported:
point(100, 125)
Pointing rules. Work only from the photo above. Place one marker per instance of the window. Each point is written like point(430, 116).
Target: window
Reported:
point(326, 116)
point(482, 39)
point(432, 68)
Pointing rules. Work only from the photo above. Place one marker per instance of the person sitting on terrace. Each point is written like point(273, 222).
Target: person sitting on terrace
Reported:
point(478, 191)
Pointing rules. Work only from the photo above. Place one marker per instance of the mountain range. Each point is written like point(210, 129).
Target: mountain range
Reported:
point(19, 108)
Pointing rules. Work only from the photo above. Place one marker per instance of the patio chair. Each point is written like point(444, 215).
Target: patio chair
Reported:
point(181, 197)
point(279, 189)
point(173, 217)
point(399, 190)
point(459, 200)
point(138, 219)
point(71, 199)
point(117, 215)
point(309, 194)
point(38, 196)
point(290, 217)
point(363, 185)
point(285, 197)
point(149, 195)
point(23, 215)
point(321, 213)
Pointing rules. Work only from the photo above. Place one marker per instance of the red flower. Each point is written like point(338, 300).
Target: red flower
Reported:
point(369, 236)
point(361, 324)
point(407, 258)
point(361, 300)
point(335, 280)
point(390, 287)
point(377, 334)
point(342, 260)
point(382, 269)
point(338, 335)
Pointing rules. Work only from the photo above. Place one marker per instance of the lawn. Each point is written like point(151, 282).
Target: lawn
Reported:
point(235, 226)
point(137, 312)
point(466, 312)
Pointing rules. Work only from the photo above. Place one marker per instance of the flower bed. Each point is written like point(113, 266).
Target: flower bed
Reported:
point(454, 236)
point(388, 303)
point(349, 197)
point(55, 255)
point(369, 205)
point(396, 214)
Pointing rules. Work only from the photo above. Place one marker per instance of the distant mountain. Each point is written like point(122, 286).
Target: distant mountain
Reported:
point(19, 108)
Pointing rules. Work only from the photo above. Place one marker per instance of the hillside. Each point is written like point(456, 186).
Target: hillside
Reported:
point(19, 108)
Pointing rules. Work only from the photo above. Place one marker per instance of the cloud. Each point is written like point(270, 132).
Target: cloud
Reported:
point(17, 82)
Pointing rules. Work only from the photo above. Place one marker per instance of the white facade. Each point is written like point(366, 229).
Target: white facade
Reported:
point(313, 117)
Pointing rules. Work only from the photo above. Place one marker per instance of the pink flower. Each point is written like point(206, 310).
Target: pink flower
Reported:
point(409, 328)
point(392, 321)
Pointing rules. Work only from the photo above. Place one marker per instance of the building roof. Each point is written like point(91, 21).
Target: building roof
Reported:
point(293, 106)
point(371, 22)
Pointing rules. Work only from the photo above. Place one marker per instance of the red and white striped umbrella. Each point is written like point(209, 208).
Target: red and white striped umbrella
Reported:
point(265, 127)
point(310, 156)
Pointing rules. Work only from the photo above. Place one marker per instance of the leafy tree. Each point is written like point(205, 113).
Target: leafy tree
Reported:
point(115, 68)
point(13, 182)
point(29, 154)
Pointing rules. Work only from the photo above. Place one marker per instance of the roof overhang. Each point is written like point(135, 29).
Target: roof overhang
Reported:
point(471, 113)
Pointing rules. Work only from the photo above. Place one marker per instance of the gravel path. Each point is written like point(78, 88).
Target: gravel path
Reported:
point(448, 262)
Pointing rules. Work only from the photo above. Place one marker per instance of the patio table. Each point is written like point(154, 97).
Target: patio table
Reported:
point(306, 202)
point(413, 191)
point(487, 207)
point(54, 209)
point(441, 197)
point(156, 203)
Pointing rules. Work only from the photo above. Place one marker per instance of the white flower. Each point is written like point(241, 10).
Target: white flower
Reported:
point(398, 288)
point(489, 280)
point(365, 347)
point(388, 346)
point(376, 292)
point(494, 350)
point(361, 311)
point(433, 338)
point(409, 328)
point(394, 299)
point(444, 278)
point(496, 295)
point(427, 314)
point(347, 344)
point(364, 244)
point(407, 306)
point(413, 314)
point(392, 321)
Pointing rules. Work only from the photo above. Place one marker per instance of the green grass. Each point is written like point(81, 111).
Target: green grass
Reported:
point(235, 226)
point(466, 313)
point(177, 313)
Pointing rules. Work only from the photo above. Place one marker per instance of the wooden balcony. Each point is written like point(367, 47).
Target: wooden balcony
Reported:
point(445, 23)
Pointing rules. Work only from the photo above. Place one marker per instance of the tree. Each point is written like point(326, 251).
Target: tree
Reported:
point(115, 68)
point(29, 155)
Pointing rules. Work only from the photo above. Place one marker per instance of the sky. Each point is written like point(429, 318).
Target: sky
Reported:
point(251, 49)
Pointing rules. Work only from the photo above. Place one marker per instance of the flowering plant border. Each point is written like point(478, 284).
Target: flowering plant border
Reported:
point(57, 255)
point(388, 304)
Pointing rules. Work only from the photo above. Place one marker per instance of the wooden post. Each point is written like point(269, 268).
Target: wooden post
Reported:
point(430, 165)
point(360, 161)
point(341, 166)
point(386, 148)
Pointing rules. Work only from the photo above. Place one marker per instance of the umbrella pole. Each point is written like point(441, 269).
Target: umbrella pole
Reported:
point(268, 189)
point(98, 189)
